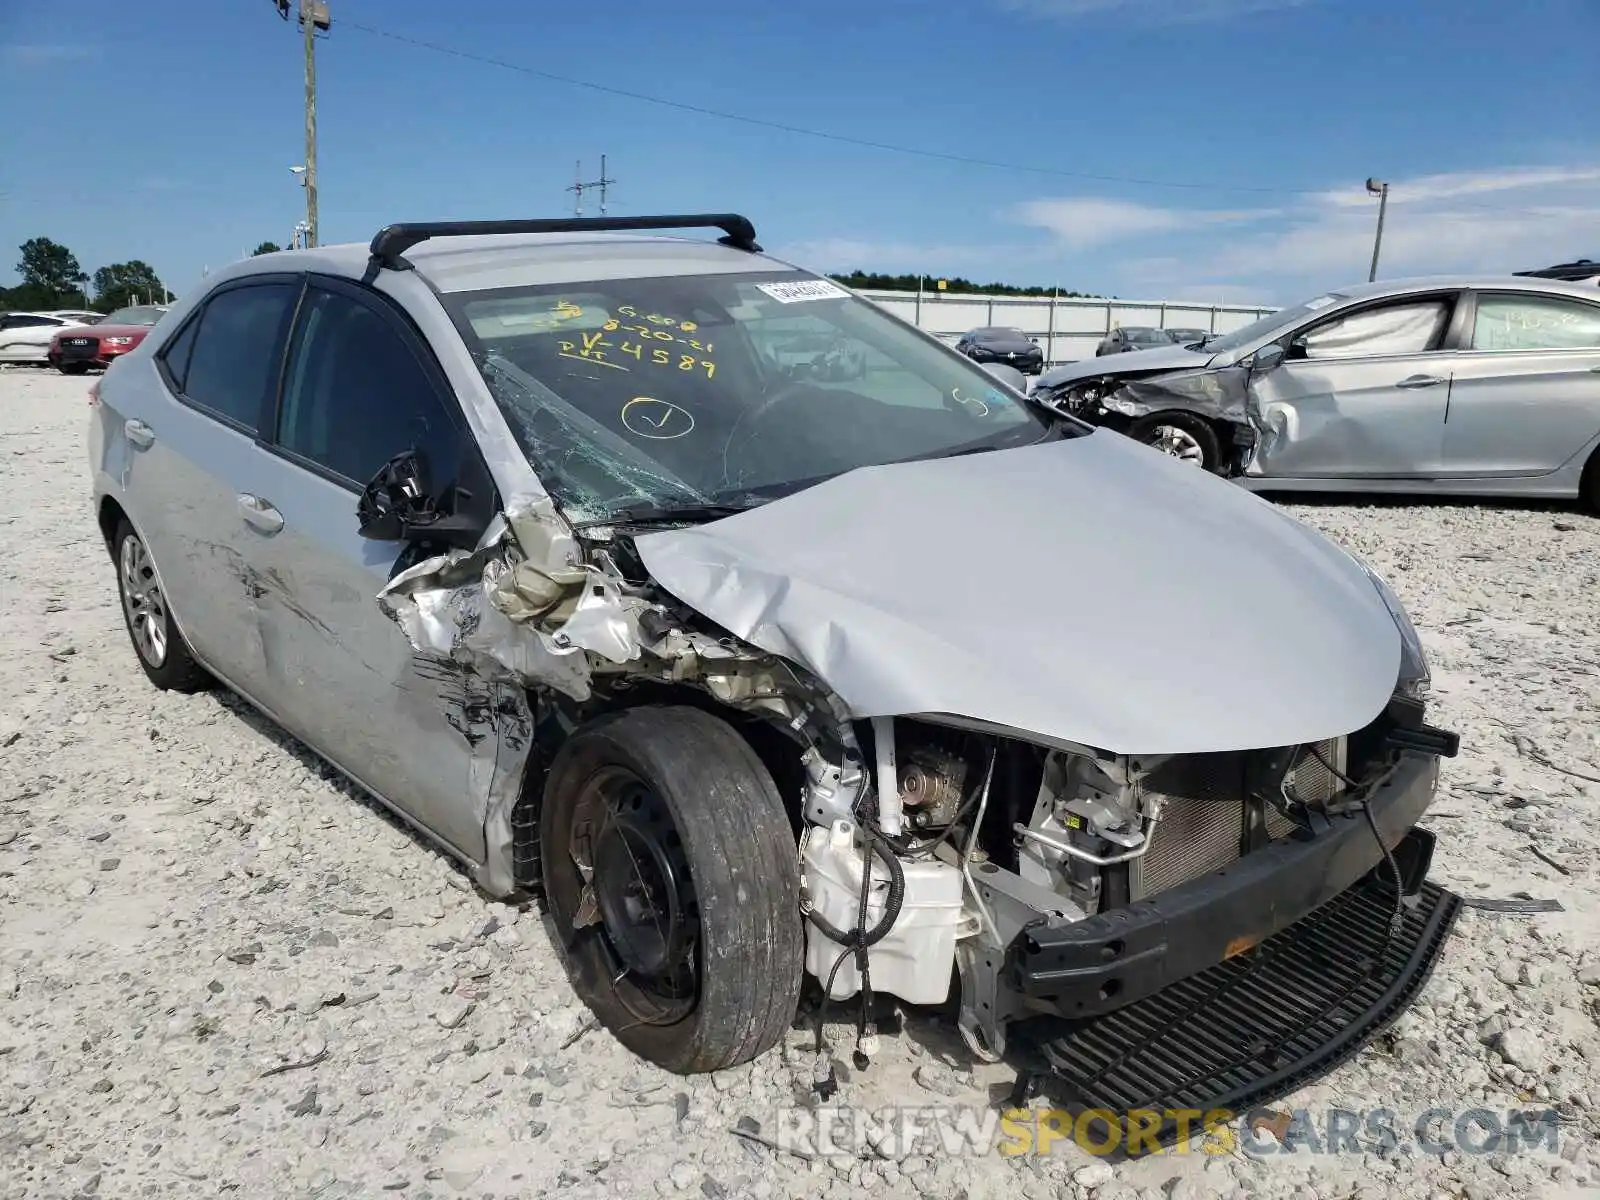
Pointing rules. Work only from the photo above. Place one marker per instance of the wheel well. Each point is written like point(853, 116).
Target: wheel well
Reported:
point(1589, 481)
point(778, 752)
point(108, 516)
point(1221, 428)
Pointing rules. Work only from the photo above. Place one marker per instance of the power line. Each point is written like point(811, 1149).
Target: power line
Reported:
point(826, 135)
point(867, 143)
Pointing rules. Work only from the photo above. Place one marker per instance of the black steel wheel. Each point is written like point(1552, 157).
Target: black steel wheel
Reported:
point(670, 875)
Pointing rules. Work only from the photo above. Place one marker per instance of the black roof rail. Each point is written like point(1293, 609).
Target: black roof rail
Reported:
point(1580, 268)
point(392, 241)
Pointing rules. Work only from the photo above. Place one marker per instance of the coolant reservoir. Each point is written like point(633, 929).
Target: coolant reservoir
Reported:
point(915, 959)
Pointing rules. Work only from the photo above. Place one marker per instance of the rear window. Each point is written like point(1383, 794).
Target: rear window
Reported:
point(238, 349)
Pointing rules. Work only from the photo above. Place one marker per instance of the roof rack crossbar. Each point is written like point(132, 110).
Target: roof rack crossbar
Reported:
point(392, 241)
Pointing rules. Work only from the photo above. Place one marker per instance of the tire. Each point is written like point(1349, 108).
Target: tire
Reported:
point(73, 368)
point(1170, 432)
point(679, 786)
point(157, 642)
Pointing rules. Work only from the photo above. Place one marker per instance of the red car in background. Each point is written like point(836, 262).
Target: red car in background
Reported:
point(78, 347)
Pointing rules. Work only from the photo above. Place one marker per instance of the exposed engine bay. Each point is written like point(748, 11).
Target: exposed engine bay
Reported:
point(934, 849)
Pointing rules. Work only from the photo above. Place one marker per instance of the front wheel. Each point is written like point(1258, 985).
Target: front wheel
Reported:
point(672, 880)
point(1185, 438)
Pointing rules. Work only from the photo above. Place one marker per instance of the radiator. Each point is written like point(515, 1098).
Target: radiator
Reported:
point(1202, 818)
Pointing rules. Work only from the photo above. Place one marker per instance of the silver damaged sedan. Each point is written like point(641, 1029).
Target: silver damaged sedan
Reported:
point(754, 672)
point(1451, 386)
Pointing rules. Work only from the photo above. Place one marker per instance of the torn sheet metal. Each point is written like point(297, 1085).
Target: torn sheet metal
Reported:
point(443, 607)
point(934, 587)
point(511, 617)
point(500, 783)
point(1221, 394)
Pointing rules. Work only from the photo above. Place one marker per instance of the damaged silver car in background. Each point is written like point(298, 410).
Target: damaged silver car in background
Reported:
point(757, 674)
point(1466, 386)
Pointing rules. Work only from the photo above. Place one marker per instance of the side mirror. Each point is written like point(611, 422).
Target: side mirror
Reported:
point(399, 505)
point(1268, 357)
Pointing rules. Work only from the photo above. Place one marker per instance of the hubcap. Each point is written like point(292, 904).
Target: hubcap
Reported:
point(1179, 443)
point(143, 602)
point(637, 899)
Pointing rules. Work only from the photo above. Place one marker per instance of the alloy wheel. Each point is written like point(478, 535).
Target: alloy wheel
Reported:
point(143, 602)
point(1179, 443)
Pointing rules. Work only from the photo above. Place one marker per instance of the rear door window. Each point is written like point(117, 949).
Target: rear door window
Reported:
point(1511, 322)
point(238, 351)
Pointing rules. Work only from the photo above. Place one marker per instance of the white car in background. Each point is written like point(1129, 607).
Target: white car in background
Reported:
point(25, 336)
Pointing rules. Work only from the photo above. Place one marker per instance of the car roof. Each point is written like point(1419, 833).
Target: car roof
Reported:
point(456, 264)
point(1431, 283)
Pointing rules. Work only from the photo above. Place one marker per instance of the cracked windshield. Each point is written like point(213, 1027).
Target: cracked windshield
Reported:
point(661, 394)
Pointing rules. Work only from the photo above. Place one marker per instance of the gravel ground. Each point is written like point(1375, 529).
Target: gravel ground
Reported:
point(221, 972)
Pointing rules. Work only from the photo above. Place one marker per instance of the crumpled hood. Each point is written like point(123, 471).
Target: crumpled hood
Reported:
point(1091, 590)
point(1162, 358)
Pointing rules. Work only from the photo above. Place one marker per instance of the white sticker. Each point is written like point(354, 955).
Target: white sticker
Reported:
point(1320, 302)
point(804, 289)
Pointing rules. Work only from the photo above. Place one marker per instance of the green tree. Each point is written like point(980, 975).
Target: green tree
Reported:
point(124, 283)
point(51, 277)
point(877, 281)
point(266, 248)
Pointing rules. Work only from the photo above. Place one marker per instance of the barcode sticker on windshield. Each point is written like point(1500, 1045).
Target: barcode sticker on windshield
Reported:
point(804, 289)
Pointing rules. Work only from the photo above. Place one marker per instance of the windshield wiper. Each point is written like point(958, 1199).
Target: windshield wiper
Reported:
point(661, 514)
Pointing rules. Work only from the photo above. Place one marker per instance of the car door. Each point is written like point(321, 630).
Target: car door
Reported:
point(1360, 393)
point(191, 427)
point(1525, 390)
point(360, 387)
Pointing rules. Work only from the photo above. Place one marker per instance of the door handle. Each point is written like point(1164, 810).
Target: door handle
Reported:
point(259, 514)
point(1419, 381)
point(137, 432)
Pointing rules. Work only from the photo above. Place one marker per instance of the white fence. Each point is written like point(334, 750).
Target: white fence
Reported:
point(1067, 328)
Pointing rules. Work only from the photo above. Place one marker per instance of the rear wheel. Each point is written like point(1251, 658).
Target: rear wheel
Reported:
point(1186, 438)
point(162, 652)
point(671, 877)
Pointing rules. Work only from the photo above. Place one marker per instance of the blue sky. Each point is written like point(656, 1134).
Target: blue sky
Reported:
point(166, 132)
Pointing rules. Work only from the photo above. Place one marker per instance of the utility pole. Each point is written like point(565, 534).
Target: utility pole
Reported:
point(578, 186)
point(313, 16)
point(1380, 189)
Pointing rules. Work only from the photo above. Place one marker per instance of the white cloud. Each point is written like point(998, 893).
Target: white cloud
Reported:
point(1150, 11)
point(1493, 221)
point(1083, 221)
point(1466, 183)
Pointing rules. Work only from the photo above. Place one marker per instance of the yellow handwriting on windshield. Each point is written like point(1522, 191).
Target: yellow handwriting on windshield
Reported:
point(591, 347)
point(662, 341)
